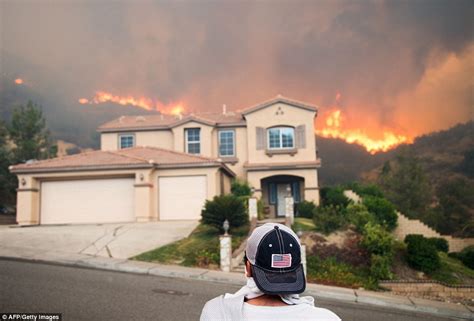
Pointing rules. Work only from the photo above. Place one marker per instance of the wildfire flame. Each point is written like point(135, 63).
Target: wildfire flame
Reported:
point(142, 102)
point(19, 81)
point(334, 129)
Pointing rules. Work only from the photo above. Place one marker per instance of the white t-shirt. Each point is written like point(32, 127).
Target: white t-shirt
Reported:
point(300, 312)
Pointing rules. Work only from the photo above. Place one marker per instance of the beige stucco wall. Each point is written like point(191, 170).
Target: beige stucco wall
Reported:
point(268, 117)
point(157, 138)
point(27, 206)
point(206, 138)
point(109, 141)
point(235, 163)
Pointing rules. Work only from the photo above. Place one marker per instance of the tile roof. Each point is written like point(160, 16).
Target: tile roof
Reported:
point(135, 157)
point(163, 121)
point(169, 121)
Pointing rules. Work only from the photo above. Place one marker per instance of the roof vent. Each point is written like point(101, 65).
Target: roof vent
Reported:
point(224, 109)
point(161, 116)
point(121, 119)
point(140, 119)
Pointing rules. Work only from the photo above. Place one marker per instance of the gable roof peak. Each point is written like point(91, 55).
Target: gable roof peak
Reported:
point(280, 99)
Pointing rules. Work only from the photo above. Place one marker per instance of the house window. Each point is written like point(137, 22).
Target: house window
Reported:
point(126, 141)
point(281, 137)
point(226, 143)
point(193, 140)
point(272, 195)
point(296, 191)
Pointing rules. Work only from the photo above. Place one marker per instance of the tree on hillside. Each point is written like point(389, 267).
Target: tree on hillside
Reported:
point(29, 134)
point(406, 185)
point(7, 180)
point(467, 165)
point(456, 207)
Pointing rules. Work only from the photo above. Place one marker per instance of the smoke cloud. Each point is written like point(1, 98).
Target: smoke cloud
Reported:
point(405, 65)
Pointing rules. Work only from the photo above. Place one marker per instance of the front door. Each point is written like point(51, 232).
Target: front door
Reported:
point(282, 192)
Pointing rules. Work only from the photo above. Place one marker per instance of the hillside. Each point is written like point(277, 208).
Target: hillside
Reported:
point(343, 162)
point(442, 154)
point(69, 121)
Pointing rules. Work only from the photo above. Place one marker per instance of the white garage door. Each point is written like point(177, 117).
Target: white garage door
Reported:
point(181, 197)
point(87, 201)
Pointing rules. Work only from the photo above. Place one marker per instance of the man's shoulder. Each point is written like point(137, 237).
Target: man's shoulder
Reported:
point(222, 307)
point(324, 314)
point(212, 309)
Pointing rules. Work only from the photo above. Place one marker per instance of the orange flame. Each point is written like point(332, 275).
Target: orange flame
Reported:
point(334, 129)
point(142, 102)
point(19, 81)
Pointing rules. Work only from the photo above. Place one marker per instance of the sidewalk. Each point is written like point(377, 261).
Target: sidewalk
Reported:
point(318, 291)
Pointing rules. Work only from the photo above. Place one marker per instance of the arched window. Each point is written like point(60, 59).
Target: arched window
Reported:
point(281, 137)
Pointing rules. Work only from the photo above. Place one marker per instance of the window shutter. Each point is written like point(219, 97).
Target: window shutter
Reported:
point(300, 136)
point(260, 138)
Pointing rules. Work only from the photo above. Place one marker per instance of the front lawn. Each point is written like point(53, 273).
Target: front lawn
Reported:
point(303, 224)
point(200, 248)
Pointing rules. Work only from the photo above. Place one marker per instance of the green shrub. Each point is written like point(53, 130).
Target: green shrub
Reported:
point(305, 209)
point(224, 207)
point(359, 216)
point(333, 196)
point(380, 267)
point(383, 210)
point(365, 190)
point(260, 209)
point(328, 219)
point(240, 188)
point(377, 240)
point(467, 256)
point(413, 238)
point(421, 254)
point(440, 244)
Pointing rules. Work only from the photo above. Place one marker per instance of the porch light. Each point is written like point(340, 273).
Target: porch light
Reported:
point(252, 190)
point(226, 227)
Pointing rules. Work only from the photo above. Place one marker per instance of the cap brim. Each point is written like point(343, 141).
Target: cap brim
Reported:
point(270, 282)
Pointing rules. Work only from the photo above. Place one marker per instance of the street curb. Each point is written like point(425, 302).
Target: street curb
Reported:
point(318, 291)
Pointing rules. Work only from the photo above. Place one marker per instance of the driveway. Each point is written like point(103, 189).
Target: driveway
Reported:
point(108, 240)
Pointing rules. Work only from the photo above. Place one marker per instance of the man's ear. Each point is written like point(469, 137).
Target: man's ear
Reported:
point(248, 270)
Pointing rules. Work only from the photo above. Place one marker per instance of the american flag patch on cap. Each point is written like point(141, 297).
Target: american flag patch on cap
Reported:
point(281, 260)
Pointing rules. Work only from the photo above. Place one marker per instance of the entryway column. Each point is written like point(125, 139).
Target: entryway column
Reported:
point(144, 188)
point(28, 201)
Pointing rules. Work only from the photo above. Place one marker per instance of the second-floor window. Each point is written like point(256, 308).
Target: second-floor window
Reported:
point(281, 137)
point(193, 140)
point(126, 141)
point(226, 143)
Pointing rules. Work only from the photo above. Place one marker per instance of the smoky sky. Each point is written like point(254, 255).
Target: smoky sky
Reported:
point(395, 63)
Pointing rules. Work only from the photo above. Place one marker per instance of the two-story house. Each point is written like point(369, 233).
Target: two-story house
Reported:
point(164, 167)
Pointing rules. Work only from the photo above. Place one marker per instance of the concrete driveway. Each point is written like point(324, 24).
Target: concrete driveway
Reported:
point(108, 240)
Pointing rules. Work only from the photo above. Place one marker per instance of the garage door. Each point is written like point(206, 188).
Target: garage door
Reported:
point(87, 201)
point(181, 197)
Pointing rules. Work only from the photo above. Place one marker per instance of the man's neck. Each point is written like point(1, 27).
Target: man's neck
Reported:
point(267, 300)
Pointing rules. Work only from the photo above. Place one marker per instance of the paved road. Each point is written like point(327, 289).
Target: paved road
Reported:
point(86, 294)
